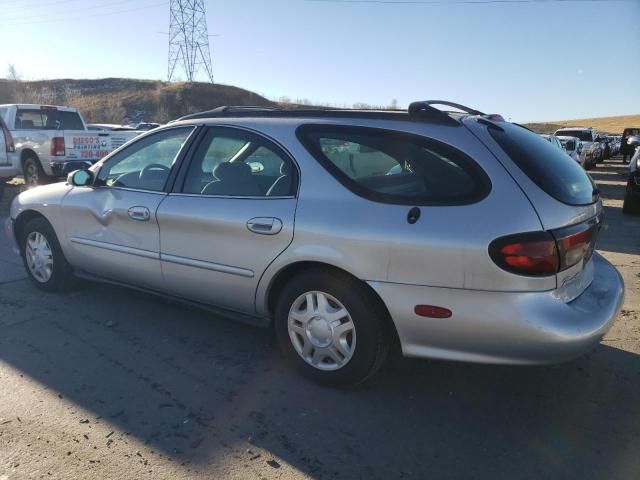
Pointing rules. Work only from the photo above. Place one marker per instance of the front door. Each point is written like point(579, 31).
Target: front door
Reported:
point(111, 226)
point(229, 217)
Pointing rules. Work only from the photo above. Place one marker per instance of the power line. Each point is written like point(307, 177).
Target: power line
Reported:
point(460, 2)
point(83, 17)
point(63, 13)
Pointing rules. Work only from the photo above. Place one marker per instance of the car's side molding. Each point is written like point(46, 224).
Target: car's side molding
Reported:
point(115, 248)
point(216, 267)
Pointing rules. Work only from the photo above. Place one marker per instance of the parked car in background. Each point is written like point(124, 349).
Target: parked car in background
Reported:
point(573, 147)
point(145, 126)
point(631, 204)
point(122, 133)
point(51, 141)
point(8, 157)
point(626, 149)
point(553, 140)
point(478, 247)
point(587, 137)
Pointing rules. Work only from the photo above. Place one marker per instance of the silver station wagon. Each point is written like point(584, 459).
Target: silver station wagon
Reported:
point(454, 236)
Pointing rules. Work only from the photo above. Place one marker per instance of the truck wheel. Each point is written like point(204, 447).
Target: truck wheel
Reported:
point(33, 173)
point(43, 257)
point(331, 328)
point(588, 164)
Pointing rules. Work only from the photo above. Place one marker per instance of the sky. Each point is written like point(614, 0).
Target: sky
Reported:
point(529, 60)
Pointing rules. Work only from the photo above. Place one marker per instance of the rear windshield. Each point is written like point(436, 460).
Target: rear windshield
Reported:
point(631, 131)
point(36, 119)
point(583, 135)
point(548, 167)
point(394, 167)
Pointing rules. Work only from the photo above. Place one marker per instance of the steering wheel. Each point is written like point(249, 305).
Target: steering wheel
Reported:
point(153, 166)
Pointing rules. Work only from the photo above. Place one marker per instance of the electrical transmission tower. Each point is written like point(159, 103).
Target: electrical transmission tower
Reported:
point(188, 39)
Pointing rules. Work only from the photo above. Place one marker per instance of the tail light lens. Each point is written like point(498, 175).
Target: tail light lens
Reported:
point(8, 139)
point(540, 254)
point(57, 146)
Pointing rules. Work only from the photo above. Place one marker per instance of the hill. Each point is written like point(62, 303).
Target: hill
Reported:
point(110, 100)
point(613, 125)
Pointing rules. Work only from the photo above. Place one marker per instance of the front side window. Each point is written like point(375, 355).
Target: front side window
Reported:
point(395, 167)
point(146, 164)
point(230, 162)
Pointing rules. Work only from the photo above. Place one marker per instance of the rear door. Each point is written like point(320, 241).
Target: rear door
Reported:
point(112, 227)
point(230, 215)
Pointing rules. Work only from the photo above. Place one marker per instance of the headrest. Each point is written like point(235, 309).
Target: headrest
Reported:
point(227, 170)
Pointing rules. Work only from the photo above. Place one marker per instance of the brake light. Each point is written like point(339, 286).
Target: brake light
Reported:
point(8, 139)
point(57, 147)
point(545, 253)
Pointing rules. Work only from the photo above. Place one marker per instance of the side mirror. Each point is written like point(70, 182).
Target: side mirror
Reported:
point(80, 178)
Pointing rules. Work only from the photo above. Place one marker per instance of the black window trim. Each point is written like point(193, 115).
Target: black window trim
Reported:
point(483, 178)
point(178, 184)
point(174, 169)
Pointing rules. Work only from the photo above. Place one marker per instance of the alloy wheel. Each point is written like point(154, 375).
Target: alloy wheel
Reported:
point(31, 176)
point(39, 257)
point(321, 331)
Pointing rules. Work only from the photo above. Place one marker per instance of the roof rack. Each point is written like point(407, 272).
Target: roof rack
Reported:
point(426, 105)
point(417, 111)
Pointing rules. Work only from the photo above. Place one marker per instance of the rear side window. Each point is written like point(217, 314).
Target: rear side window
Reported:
point(395, 167)
point(45, 119)
point(548, 167)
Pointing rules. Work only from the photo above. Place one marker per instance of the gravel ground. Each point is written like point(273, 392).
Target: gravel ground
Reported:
point(109, 383)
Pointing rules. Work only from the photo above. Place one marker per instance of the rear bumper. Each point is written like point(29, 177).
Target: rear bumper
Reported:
point(505, 327)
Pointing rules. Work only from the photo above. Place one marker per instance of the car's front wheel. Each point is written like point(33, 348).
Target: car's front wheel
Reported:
point(43, 258)
point(331, 327)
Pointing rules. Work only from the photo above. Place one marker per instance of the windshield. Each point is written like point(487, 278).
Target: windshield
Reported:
point(583, 135)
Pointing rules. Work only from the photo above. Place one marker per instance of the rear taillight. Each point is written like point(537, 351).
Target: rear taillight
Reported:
point(545, 253)
point(576, 243)
point(532, 253)
point(8, 139)
point(57, 147)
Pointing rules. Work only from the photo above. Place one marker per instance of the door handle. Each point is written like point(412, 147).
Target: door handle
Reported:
point(265, 225)
point(141, 214)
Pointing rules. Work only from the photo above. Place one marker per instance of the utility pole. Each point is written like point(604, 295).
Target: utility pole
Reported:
point(188, 39)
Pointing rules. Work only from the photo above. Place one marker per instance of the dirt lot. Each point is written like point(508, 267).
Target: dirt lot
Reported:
point(109, 383)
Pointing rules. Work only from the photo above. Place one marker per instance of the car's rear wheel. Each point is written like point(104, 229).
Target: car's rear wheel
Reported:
point(331, 327)
point(33, 173)
point(43, 258)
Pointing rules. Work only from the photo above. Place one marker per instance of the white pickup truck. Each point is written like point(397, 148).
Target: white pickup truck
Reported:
point(51, 141)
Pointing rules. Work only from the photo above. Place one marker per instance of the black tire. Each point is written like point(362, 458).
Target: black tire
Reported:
point(588, 164)
point(33, 173)
point(369, 315)
point(631, 203)
point(61, 277)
